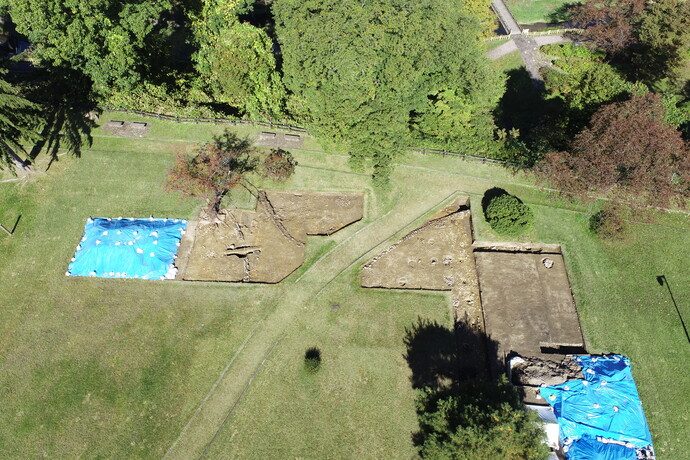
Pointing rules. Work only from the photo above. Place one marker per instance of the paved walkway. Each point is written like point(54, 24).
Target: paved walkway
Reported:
point(506, 17)
point(529, 49)
point(506, 48)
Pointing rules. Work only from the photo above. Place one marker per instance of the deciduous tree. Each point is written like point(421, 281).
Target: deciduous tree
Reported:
point(609, 24)
point(106, 39)
point(369, 74)
point(236, 61)
point(213, 170)
point(629, 152)
point(480, 420)
point(664, 37)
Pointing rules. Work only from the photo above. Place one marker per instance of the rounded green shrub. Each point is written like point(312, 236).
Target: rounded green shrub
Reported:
point(505, 213)
point(607, 223)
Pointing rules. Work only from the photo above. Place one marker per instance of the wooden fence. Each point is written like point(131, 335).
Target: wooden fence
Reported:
point(297, 129)
point(216, 121)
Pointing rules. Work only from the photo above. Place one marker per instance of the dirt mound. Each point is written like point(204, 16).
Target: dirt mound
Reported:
point(267, 244)
point(536, 371)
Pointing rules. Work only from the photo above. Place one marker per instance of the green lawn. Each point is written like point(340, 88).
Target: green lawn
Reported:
point(533, 11)
point(510, 61)
point(118, 368)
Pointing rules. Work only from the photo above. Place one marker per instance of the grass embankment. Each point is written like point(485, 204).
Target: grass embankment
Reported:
point(534, 11)
point(117, 368)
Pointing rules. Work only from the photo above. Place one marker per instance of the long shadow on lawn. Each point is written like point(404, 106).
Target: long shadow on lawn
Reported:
point(67, 120)
point(450, 370)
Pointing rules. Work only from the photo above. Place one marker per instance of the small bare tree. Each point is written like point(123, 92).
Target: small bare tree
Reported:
point(217, 167)
point(213, 170)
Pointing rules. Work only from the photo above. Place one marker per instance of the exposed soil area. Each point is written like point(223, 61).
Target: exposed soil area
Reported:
point(537, 371)
point(127, 128)
point(267, 244)
point(438, 256)
point(530, 373)
point(528, 308)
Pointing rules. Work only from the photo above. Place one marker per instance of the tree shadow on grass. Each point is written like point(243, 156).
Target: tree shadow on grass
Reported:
point(440, 357)
point(68, 118)
point(460, 408)
point(537, 117)
point(431, 355)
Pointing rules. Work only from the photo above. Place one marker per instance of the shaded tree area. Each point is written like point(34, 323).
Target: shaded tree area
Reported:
point(628, 153)
point(530, 121)
point(373, 76)
point(18, 119)
point(610, 25)
point(462, 413)
point(50, 113)
point(235, 61)
point(105, 39)
point(68, 115)
point(650, 41)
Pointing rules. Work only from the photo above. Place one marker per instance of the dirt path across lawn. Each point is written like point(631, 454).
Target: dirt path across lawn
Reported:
point(230, 387)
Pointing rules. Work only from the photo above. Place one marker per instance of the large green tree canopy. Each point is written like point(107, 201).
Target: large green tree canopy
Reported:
point(235, 61)
point(105, 39)
point(371, 75)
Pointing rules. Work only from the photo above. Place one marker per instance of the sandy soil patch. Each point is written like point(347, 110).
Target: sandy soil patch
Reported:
point(267, 244)
point(438, 256)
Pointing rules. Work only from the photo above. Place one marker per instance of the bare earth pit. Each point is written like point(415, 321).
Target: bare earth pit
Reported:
point(267, 244)
point(438, 256)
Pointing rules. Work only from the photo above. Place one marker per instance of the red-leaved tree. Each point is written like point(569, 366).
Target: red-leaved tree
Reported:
point(609, 24)
point(213, 170)
point(279, 165)
point(628, 153)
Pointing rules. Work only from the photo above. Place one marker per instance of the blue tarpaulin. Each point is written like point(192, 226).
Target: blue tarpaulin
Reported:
point(128, 248)
point(600, 416)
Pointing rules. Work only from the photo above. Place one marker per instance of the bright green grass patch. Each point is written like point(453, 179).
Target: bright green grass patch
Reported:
point(510, 61)
point(533, 11)
point(116, 368)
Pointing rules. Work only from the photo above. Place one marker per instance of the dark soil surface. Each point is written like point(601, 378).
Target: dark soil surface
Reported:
point(527, 307)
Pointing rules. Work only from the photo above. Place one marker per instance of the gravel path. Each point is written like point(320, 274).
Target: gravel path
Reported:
point(528, 47)
point(506, 48)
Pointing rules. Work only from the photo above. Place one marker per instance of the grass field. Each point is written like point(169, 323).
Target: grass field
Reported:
point(125, 368)
point(533, 11)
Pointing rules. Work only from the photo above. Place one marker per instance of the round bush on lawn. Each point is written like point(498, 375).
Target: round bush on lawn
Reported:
point(505, 213)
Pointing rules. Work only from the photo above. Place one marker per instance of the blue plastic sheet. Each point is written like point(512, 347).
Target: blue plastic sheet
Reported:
point(128, 248)
point(588, 448)
point(604, 405)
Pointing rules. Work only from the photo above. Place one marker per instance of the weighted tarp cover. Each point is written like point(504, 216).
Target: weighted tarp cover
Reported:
point(604, 404)
point(588, 448)
point(128, 248)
